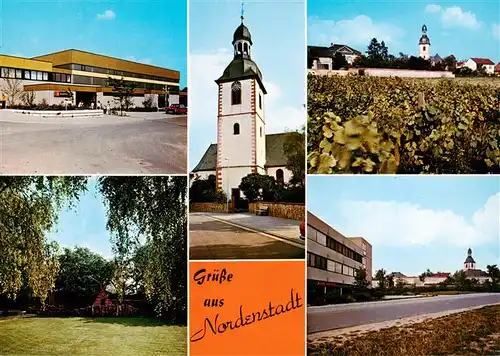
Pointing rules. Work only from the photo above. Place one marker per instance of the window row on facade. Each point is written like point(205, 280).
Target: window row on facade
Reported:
point(35, 75)
point(92, 69)
point(320, 262)
point(103, 82)
point(333, 244)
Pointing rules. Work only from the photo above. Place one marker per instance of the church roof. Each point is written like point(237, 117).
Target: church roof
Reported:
point(242, 33)
point(469, 259)
point(475, 273)
point(424, 40)
point(241, 68)
point(275, 154)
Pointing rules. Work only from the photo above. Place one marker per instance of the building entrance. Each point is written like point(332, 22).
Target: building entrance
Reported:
point(86, 99)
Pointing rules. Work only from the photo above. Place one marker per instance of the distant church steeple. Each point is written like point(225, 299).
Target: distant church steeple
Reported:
point(469, 261)
point(424, 44)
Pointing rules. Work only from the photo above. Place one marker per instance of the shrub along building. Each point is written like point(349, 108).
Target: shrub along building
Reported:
point(333, 259)
point(242, 146)
point(85, 75)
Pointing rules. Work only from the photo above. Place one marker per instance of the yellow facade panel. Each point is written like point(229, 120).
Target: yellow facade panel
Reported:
point(97, 60)
point(25, 63)
point(106, 76)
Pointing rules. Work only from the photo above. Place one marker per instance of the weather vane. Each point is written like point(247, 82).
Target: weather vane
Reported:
point(242, 10)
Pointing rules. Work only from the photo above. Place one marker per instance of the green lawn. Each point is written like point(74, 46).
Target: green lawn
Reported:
point(90, 336)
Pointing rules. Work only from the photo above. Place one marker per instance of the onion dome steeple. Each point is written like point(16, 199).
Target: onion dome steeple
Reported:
point(242, 66)
point(424, 39)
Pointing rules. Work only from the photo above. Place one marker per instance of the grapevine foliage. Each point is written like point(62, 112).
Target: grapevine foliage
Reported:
point(363, 124)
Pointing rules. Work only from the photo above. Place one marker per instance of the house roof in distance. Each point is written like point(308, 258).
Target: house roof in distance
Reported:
point(275, 154)
point(318, 51)
point(483, 61)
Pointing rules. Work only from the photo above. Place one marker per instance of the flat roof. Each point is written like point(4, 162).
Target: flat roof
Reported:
point(25, 63)
point(74, 56)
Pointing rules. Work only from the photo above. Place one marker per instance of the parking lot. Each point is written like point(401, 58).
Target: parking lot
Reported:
point(141, 143)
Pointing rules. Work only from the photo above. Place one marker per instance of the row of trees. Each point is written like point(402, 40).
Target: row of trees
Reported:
point(149, 209)
point(378, 56)
point(458, 281)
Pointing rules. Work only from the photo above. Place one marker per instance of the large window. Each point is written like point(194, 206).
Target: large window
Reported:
point(316, 261)
point(236, 93)
point(333, 244)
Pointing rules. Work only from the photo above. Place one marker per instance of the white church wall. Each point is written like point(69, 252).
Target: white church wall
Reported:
point(231, 178)
point(236, 150)
point(246, 98)
point(260, 128)
point(287, 175)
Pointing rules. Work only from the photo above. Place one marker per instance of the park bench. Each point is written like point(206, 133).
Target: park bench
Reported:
point(262, 211)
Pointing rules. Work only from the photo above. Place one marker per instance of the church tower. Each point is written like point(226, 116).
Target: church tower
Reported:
point(469, 261)
point(241, 138)
point(424, 44)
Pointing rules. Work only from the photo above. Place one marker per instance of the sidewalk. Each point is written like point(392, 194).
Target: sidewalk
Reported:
point(284, 228)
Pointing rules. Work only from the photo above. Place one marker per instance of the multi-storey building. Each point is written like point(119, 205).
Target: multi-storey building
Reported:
point(334, 259)
point(85, 75)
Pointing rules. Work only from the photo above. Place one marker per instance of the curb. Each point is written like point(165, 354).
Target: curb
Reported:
point(259, 230)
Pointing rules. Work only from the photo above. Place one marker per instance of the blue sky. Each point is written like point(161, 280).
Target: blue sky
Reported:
point(277, 29)
point(85, 224)
point(463, 28)
point(414, 223)
point(152, 32)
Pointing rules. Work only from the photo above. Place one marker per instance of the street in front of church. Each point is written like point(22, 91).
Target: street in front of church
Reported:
point(243, 236)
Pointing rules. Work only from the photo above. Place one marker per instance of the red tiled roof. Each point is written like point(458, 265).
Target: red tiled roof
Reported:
point(440, 275)
point(482, 61)
point(460, 63)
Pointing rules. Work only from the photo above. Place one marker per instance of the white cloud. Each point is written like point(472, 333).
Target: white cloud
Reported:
point(394, 223)
point(144, 60)
point(106, 15)
point(432, 8)
point(205, 68)
point(495, 29)
point(454, 16)
point(355, 32)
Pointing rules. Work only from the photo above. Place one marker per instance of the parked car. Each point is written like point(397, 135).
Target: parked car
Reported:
point(177, 109)
point(302, 229)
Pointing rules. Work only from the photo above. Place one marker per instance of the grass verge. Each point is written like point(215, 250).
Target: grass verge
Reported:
point(476, 332)
point(90, 336)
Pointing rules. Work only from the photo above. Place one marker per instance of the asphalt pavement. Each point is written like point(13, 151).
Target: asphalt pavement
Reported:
point(143, 143)
point(355, 314)
point(211, 238)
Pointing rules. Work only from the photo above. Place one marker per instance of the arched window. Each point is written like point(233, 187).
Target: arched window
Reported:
point(240, 48)
point(236, 129)
point(245, 46)
point(279, 176)
point(236, 93)
point(424, 48)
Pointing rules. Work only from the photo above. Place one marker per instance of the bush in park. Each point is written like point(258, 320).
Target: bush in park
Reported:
point(360, 124)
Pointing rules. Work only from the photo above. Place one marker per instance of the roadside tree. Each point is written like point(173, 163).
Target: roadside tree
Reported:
point(12, 86)
point(360, 279)
point(123, 91)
